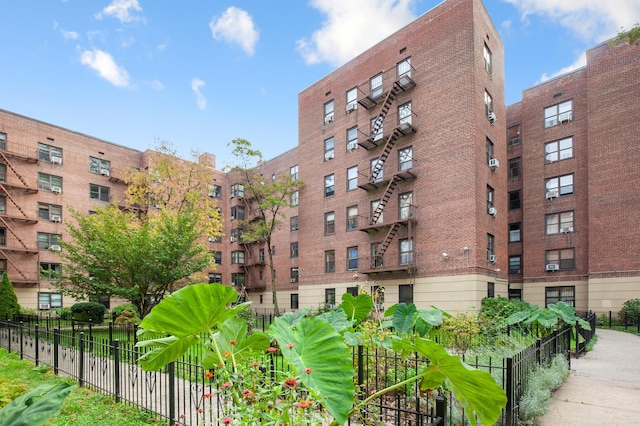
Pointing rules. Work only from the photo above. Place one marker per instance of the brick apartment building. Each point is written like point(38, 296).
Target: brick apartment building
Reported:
point(417, 179)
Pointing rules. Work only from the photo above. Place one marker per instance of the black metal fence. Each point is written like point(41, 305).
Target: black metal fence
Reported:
point(104, 358)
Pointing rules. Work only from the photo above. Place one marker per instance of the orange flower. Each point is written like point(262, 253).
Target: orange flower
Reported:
point(208, 374)
point(290, 345)
point(233, 342)
point(207, 395)
point(290, 383)
point(304, 404)
point(272, 349)
point(308, 370)
point(226, 384)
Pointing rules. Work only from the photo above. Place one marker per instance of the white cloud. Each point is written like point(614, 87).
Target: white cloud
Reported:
point(106, 66)
point(581, 61)
point(121, 10)
point(69, 35)
point(353, 26)
point(196, 84)
point(156, 85)
point(591, 20)
point(235, 26)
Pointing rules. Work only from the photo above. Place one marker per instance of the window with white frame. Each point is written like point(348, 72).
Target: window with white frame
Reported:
point(3, 140)
point(328, 112)
point(490, 195)
point(352, 258)
point(294, 198)
point(99, 166)
point(352, 99)
point(376, 86)
point(293, 223)
point(515, 232)
point(406, 251)
point(490, 246)
point(50, 212)
point(513, 135)
point(329, 151)
point(352, 218)
point(558, 150)
point(49, 153)
point(294, 275)
point(488, 103)
point(559, 113)
point(559, 223)
point(99, 192)
point(46, 240)
point(237, 190)
point(50, 271)
point(352, 178)
point(329, 185)
point(293, 249)
point(561, 185)
point(352, 139)
point(404, 113)
point(515, 265)
point(49, 301)
point(377, 128)
point(330, 261)
point(404, 68)
point(405, 159)
point(237, 257)
point(488, 57)
point(51, 183)
point(564, 258)
point(294, 172)
point(405, 205)
point(489, 149)
point(237, 212)
point(329, 223)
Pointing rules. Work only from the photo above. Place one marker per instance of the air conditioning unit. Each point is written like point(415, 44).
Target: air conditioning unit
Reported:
point(565, 117)
point(552, 194)
point(492, 117)
point(44, 306)
point(493, 163)
point(294, 280)
point(567, 229)
point(328, 119)
point(55, 247)
point(56, 189)
point(552, 266)
point(104, 172)
point(493, 258)
point(55, 217)
point(328, 156)
point(56, 160)
point(351, 146)
point(493, 211)
point(212, 240)
point(330, 305)
point(352, 106)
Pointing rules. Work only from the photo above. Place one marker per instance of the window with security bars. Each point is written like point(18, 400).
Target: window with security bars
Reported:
point(557, 294)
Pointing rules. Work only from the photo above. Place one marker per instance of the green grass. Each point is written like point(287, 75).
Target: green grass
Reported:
point(83, 407)
point(631, 329)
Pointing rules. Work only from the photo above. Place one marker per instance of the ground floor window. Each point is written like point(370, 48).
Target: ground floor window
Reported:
point(491, 289)
point(562, 293)
point(515, 294)
point(406, 293)
point(49, 300)
point(215, 278)
point(330, 297)
point(294, 300)
point(352, 291)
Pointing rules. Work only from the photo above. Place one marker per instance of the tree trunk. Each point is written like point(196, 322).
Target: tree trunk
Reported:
point(274, 292)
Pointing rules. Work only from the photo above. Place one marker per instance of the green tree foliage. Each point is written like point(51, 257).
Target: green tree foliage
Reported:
point(116, 253)
point(632, 35)
point(267, 197)
point(630, 311)
point(8, 300)
point(89, 311)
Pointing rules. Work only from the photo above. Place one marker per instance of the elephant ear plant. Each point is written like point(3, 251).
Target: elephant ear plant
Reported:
point(318, 375)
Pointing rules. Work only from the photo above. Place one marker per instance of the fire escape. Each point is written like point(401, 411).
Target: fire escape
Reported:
point(404, 260)
point(254, 261)
point(22, 260)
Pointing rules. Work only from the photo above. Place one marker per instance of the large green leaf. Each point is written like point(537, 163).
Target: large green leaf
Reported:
point(232, 338)
point(164, 350)
point(476, 390)
point(36, 407)
point(518, 317)
point(294, 317)
point(404, 317)
point(313, 344)
point(338, 320)
point(357, 308)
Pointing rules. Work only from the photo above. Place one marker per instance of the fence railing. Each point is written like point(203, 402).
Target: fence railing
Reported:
point(105, 358)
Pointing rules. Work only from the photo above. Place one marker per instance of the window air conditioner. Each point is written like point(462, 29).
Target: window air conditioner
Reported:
point(55, 247)
point(56, 189)
point(351, 146)
point(493, 211)
point(552, 194)
point(328, 156)
point(565, 117)
point(56, 160)
point(552, 266)
point(493, 163)
point(330, 305)
point(328, 119)
point(294, 280)
point(351, 106)
point(492, 117)
point(104, 172)
point(493, 258)
point(44, 306)
point(212, 240)
point(567, 229)
point(55, 217)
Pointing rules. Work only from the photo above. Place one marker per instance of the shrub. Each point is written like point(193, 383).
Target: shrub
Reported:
point(630, 310)
point(121, 308)
point(89, 311)
point(462, 330)
point(8, 300)
point(128, 316)
point(541, 383)
point(64, 313)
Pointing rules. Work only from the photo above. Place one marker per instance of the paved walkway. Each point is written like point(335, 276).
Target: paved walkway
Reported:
point(604, 385)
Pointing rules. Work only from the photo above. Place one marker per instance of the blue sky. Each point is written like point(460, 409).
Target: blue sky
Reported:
point(202, 73)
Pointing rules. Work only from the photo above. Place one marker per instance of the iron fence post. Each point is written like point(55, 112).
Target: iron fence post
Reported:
point(360, 370)
point(110, 331)
point(171, 394)
point(577, 339)
point(538, 351)
point(510, 393)
point(21, 340)
point(56, 343)
point(81, 360)
point(610, 322)
point(9, 334)
point(441, 409)
point(116, 368)
point(37, 349)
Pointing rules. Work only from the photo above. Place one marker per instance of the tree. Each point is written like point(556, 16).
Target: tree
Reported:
point(267, 199)
point(8, 300)
point(633, 35)
point(116, 253)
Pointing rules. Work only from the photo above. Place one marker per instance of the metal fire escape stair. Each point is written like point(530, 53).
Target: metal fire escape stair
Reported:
point(386, 106)
point(391, 186)
point(6, 225)
point(8, 163)
point(388, 238)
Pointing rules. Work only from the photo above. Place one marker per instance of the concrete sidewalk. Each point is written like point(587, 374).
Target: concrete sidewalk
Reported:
point(604, 385)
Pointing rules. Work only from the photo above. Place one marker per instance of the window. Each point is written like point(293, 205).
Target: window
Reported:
point(377, 293)
point(236, 235)
point(377, 170)
point(377, 259)
point(489, 151)
point(514, 200)
point(98, 192)
point(352, 218)
point(405, 159)
point(328, 149)
point(515, 232)
point(490, 195)
point(377, 128)
point(3, 141)
point(376, 86)
point(294, 198)
point(404, 68)
point(294, 172)
point(237, 279)
point(330, 296)
point(406, 251)
point(406, 293)
point(49, 300)
point(513, 135)
point(374, 207)
point(237, 257)
point(514, 168)
point(490, 246)
point(515, 265)
point(487, 59)
point(558, 150)
point(560, 113)
point(293, 223)
point(557, 223)
point(404, 113)
point(237, 190)
point(352, 99)
point(3, 172)
point(491, 289)
point(49, 212)
point(561, 185)
point(261, 255)
point(488, 103)
point(328, 112)
point(294, 300)
point(329, 223)
point(352, 291)
point(565, 294)
point(352, 258)
point(294, 274)
point(352, 139)
point(3, 204)
point(293, 249)
point(49, 153)
point(215, 278)
point(405, 205)
point(45, 241)
point(237, 212)
point(352, 178)
point(215, 191)
point(217, 257)
point(329, 185)
point(329, 261)
point(50, 271)
point(49, 183)
point(97, 165)
point(564, 258)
